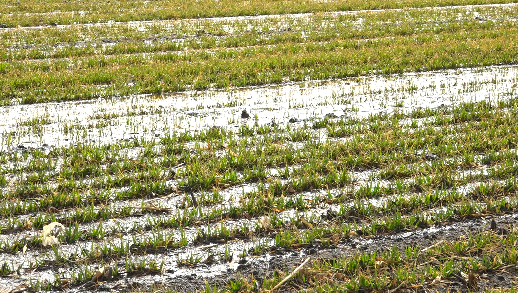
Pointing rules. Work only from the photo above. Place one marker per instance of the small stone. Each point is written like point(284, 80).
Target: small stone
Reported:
point(293, 120)
point(493, 225)
point(265, 222)
point(50, 233)
point(245, 114)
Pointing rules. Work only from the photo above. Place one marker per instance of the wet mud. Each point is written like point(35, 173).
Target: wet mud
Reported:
point(281, 259)
point(147, 117)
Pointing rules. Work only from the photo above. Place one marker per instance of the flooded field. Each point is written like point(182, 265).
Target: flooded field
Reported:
point(311, 146)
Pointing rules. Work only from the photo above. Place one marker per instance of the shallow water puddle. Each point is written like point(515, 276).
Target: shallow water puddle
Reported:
point(150, 117)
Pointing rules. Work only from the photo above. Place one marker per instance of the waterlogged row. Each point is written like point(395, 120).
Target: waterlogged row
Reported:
point(81, 41)
point(105, 121)
point(33, 13)
point(205, 208)
point(151, 179)
point(441, 173)
point(308, 233)
point(233, 202)
point(240, 159)
point(367, 200)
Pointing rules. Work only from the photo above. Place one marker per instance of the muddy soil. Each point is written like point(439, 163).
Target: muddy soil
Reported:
point(256, 269)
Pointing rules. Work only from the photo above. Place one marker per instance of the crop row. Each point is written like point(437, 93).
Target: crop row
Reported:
point(93, 77)
point(186, 35)
point(245, 164)
point(466, 261)
point(33, 13)
point(308, 233)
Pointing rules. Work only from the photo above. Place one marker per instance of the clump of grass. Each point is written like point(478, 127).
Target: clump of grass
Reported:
point(403, 267)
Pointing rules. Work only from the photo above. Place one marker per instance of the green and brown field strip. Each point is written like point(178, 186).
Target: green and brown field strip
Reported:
point(136, 59)
point(30, 12)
